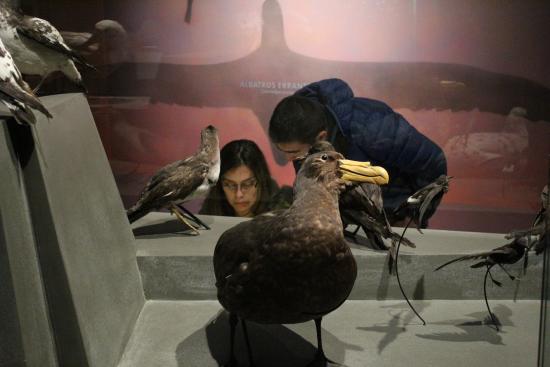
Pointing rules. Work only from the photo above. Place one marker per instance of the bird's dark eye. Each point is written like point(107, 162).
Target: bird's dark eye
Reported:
point(324, 157)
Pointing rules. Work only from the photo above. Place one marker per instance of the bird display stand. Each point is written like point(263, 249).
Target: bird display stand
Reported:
point(75, 286)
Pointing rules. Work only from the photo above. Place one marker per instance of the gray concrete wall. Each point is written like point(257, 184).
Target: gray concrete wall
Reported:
point(86, 248)
point(26, 338)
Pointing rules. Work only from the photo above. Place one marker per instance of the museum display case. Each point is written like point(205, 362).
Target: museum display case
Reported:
point(81, 286)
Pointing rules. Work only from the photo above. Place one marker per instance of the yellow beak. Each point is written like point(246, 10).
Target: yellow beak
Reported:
point(363, 172)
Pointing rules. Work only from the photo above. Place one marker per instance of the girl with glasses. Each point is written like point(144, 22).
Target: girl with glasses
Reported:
point(245, 187)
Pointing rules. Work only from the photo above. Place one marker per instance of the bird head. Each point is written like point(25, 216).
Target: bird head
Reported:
point(209, 138)
point(544, 197)
point(335, 171)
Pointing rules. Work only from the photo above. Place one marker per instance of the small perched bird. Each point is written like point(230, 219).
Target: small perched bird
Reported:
point(301, 268)
point(15, 92)
point(507, 254)
point(361, 204)
point(36, 46)
point(421, 201)
point(182, 180)
point(539, 228)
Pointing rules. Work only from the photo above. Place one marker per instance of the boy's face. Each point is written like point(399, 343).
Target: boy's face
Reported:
point(293, 150)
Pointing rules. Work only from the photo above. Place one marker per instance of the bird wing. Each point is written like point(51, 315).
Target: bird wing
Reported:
point(15, 92)
point(170, 170)
point(172, 182)
point(238, 244)
point(426, 202)
point(41, 31)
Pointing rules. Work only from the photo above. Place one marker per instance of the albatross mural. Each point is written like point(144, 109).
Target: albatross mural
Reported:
point(466, 89)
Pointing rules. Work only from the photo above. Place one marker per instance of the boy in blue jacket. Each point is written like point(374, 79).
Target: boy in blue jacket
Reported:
point(361, 129)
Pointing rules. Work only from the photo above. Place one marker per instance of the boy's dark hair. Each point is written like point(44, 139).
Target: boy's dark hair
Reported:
point(297, 119)
point(234, 154)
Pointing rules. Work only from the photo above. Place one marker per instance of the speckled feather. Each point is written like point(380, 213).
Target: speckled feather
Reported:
point(15, 92)
point(36, 46)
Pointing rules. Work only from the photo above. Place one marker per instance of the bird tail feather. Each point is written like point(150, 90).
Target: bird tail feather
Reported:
point(136, 212)
point(462, 258)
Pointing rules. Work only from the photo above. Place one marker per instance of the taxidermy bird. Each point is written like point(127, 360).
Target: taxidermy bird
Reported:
point(36, 46)
point(15, 92)
point(539, 228)
point(182, 180)
point(422, 200)
point(361, 204)
point(301, 268)
point(507, 254)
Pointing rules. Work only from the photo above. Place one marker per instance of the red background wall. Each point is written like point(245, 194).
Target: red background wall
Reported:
point(454, 69)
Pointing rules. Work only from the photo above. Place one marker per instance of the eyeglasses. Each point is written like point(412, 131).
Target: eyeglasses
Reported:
point(244, 186)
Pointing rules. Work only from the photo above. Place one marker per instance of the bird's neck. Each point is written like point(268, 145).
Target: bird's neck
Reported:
point(310, 193)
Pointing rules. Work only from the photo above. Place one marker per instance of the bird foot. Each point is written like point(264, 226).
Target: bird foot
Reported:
point(181, 217)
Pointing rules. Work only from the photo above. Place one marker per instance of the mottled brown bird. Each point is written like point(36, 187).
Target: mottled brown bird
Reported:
point(182, 180)
point(293, 265)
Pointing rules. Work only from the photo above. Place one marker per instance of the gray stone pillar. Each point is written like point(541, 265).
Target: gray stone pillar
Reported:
point(85, 248)
point(26, 338)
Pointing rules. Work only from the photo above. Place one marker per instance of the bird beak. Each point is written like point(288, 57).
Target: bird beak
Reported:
point(363, 172)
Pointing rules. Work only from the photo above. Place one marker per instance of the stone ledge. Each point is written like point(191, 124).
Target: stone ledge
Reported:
point(178, 266)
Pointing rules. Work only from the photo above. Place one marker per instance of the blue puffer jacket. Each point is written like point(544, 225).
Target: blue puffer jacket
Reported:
point(375, 133)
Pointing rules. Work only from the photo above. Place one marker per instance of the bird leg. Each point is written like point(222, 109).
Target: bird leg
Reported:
point(181, 217)
point(247, 340)
point(37, 88)
point(496, 282)
point(321, 359)
point(352, 234)
point(493, 317)
point(232, 324)
point(508, 273)
point(193, 217)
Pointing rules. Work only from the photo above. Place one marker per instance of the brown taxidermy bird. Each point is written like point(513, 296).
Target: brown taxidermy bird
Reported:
point(301, 268)
point(182, 180)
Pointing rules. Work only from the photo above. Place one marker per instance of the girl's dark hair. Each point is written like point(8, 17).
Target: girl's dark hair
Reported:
point(234, 154)
point(297, 118)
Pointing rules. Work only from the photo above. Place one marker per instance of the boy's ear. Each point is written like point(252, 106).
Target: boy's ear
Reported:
point(322, 135)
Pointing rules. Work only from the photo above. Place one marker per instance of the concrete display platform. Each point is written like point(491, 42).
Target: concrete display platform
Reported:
point(358, 334)
point(176, 265)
